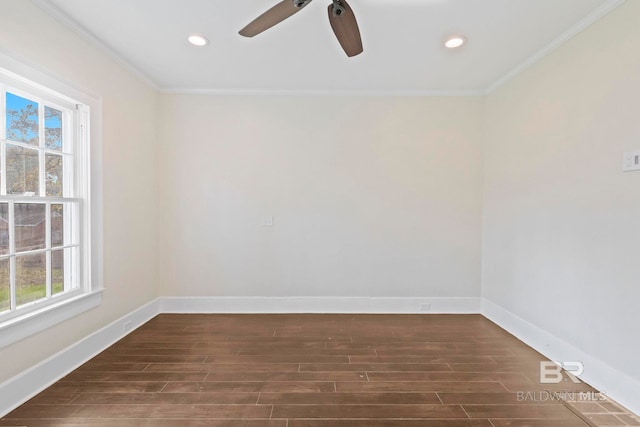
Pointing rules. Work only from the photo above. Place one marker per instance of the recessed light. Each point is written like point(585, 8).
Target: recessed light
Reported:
point(455, 41)
point(198, 40)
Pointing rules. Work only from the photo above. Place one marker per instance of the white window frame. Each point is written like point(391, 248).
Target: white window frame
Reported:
point(87, 150)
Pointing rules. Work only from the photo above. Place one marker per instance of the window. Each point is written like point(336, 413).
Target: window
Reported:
point(45, 204)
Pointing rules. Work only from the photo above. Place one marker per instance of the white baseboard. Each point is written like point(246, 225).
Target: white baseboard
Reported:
point(609, 380)
point(26, 385)
point(349, 305)
point(613, 383)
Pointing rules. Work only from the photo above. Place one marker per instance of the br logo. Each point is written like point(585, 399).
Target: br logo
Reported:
point(552, 372)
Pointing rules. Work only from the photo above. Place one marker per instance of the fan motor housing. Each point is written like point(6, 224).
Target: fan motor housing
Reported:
point(301, 3)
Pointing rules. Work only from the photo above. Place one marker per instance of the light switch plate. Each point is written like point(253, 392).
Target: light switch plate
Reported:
point(267, 221)
point(631, 161)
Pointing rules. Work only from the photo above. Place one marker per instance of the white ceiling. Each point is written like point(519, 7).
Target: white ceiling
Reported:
point(403, 42)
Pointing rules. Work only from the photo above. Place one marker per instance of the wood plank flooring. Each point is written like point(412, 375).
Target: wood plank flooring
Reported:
point(315, 371)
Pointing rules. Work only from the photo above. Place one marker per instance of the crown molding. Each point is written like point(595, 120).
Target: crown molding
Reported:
point(258, 92)
point(89, 37)
point(582, 25)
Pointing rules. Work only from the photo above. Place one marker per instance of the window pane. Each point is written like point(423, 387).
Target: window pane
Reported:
point(22, 120)
point(53, 169)
point(57, 225)
point(30, 221)
point(31, 278)
point(52, 128)
point(57, 272)
point(4, 228)
point(5, 295)
point(23, 171)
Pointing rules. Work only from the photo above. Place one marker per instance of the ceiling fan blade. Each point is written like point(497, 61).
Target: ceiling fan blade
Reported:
point(273, 16)
point(344, 25)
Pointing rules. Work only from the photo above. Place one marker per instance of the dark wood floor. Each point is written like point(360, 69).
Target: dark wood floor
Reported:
point(314, 371)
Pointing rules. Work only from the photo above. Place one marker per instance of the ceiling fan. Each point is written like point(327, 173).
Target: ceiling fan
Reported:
point(341, 17)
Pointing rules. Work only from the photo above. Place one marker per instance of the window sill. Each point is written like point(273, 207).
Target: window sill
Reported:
point(20, 327)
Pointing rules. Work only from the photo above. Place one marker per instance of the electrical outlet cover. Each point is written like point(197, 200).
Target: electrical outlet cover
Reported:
point(631, 161)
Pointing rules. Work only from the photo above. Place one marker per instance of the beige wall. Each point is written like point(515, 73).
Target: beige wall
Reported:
point(561, 244)
point(129, 161)
point(371, 196)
